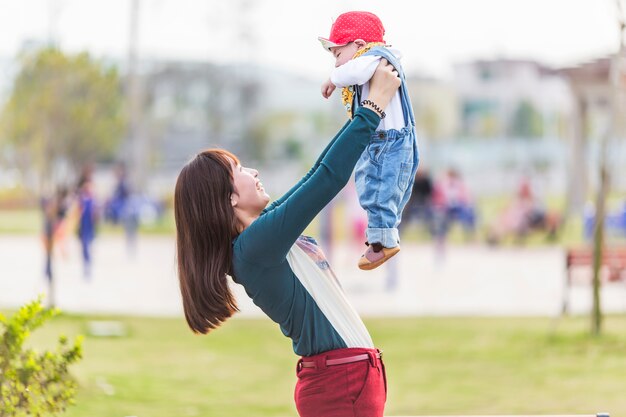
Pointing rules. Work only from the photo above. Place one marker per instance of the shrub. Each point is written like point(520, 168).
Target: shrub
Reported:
point(34, 383)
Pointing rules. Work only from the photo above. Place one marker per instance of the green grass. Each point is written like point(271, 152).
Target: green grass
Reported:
point(434, 365)
point(30, 221)
point(26, 221)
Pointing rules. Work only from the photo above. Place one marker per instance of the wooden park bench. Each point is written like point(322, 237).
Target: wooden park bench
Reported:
point(613, 266)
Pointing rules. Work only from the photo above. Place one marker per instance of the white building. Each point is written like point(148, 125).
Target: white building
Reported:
point(436, 108)
point(506, 97)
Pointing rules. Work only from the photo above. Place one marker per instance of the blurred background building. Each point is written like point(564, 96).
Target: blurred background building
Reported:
point(253, 91)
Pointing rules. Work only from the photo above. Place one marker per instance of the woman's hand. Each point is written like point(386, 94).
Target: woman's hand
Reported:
point(383, 85)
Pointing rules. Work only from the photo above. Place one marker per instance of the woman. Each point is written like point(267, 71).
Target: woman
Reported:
point(224, 228)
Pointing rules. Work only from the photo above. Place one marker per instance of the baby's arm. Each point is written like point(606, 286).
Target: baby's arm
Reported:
point(327, 88)
point(357, 71)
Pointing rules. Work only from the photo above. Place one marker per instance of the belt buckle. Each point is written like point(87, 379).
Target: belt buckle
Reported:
point(320, 363)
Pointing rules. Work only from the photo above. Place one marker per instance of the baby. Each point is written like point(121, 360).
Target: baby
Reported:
point(384, 175)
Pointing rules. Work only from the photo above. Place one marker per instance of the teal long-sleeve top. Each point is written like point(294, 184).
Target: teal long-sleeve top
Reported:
point(260, 252)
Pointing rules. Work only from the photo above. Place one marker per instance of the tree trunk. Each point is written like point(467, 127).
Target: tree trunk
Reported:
point(615, 76)
point(596, 314)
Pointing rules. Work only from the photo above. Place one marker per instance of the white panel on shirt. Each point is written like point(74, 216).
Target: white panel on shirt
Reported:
point(358, 71)
point(323, 286)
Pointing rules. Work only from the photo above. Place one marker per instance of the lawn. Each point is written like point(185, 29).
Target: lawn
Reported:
point(30, 222)
point(434, 365)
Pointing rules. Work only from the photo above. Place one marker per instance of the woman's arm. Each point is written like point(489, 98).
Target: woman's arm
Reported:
point(308, 175)
point(269, 238)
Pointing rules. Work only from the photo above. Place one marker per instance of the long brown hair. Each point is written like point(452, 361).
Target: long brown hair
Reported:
point(205, 227)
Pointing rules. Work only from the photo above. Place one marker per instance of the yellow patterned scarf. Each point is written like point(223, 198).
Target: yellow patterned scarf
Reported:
point(347, 93)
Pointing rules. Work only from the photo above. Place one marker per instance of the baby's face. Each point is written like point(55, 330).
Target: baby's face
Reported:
point(344, 53)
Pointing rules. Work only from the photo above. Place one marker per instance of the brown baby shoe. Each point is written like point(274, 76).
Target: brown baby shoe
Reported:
point(376, 255)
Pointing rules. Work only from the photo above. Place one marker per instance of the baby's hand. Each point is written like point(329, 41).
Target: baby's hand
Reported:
point(327, 88)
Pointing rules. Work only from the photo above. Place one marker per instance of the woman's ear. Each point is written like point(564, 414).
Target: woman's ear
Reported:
point(234, 199)
point(360, 43)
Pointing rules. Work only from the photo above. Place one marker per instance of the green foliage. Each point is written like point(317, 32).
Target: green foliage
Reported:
point(63, 109)
point(435, 366)
point(32, 383)
point(272, 129)
point(527, 121)
point(430, 121)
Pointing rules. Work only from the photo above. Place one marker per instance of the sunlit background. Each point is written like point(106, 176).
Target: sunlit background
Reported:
point(521, 119)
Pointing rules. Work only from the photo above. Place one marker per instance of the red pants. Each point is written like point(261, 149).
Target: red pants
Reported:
point(356, 389)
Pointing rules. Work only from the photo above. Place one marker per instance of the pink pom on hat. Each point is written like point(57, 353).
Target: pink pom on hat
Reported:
point(350, 26)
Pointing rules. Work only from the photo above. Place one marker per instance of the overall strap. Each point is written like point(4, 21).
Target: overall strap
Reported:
point(407, 107)
point(384, 52)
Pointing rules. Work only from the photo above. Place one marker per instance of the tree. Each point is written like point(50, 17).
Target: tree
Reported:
point(64, 111)
point(33, 383)
point(615, 79)
point(527, 121)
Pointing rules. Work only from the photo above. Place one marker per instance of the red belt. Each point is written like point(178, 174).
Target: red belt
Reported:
point(341, 361)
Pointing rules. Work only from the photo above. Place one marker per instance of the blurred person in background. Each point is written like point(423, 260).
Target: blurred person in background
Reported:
point(420, 205)
point(58, 221)
point(121, 193)
point(452, 199)
point(87, 220)
point(123, 208)
point(63, 201)
point(522, 215)
point(52, 218)
point(224, 226)
point(451, 202)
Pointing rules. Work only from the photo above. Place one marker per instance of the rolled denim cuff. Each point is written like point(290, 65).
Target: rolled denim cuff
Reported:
point(388, 237)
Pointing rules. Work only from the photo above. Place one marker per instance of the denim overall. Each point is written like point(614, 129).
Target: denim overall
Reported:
point(385, 172)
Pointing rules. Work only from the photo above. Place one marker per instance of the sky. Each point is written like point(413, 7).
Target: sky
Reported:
point(432, 34)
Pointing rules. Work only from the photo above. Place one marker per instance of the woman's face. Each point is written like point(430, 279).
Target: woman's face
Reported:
point(249, 195)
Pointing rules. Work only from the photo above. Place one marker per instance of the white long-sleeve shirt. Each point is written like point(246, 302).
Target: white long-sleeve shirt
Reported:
point(358, 71)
